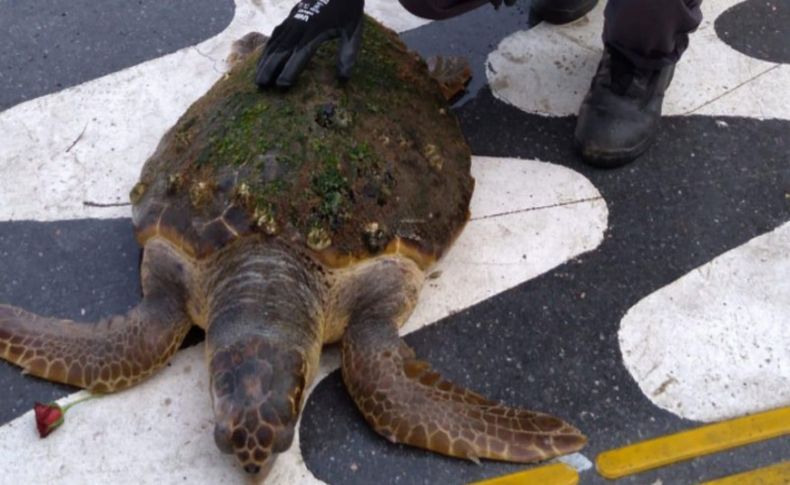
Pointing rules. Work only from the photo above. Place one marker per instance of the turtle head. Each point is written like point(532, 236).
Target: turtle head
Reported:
point(257, 394)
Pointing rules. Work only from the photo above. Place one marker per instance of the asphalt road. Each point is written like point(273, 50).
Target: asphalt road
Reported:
point(550, 343)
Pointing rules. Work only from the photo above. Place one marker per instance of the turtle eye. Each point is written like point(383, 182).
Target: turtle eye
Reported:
point(224, 384)
point(222, 436)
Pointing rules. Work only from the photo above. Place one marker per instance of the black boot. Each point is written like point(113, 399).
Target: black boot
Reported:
point(619, 117)
point(561, 11)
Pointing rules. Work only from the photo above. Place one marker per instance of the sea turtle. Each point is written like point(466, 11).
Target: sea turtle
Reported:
point(279, 221)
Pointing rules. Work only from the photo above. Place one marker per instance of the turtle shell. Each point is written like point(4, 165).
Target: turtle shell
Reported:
point(376, 164)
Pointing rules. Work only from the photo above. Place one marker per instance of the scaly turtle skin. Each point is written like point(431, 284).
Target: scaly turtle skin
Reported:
point(280, 221)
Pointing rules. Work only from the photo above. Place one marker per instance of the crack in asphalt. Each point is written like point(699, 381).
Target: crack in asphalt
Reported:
point(537, 208)
point(732, 90)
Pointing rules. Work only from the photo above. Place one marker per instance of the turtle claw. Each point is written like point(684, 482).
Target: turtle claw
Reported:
point(473, 458)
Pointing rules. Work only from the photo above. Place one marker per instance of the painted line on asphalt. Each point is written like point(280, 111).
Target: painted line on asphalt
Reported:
point(547, 70)
point(554, 474)
point(778, 474)
point(735, 358)
point(696, 442)
point(731, 315)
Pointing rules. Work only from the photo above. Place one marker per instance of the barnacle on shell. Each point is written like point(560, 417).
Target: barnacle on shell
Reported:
point(137, 192)
point(318, 239)
point(264, 218)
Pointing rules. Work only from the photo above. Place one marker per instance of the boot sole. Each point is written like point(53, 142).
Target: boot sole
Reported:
point(559, 17)
point(613, 159)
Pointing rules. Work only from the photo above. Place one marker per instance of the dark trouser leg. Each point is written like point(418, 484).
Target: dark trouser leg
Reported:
point(561, 11)
point(650, 33)
point(441, 9)
point(643, 39)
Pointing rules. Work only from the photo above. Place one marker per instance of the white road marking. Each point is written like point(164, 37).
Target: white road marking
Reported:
point(577, 461)
point(393, 15)
point(547, 70)
point(87, 144)
point(527, 217)
point(715, 343)
point(117, 121)
point(134, 437)
point(481, 264)
point(703, 347)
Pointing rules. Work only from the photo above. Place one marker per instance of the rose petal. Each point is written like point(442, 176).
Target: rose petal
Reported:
point(48, 418)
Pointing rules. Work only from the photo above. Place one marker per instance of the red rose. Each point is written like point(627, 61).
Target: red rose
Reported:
point(48, 417)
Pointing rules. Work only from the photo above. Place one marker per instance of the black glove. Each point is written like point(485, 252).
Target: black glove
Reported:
point(310, 23)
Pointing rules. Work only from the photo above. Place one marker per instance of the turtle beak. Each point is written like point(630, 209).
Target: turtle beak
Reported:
point(258, 463)
point(257, 399)
point(261, 471)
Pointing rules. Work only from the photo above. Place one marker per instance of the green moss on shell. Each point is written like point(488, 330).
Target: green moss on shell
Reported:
point(299, 168)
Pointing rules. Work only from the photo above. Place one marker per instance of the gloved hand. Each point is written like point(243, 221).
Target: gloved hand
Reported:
point(310, 23)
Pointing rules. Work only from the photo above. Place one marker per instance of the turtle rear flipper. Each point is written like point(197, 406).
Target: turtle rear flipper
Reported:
point(113, 353)
point(407, 402)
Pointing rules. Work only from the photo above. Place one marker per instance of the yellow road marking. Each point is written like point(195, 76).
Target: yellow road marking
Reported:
point(685, 445)
point(556, 474)
point(778, 474)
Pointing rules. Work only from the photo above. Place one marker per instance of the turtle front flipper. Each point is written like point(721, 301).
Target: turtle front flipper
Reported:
point(113, 353)
point(407, 402)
